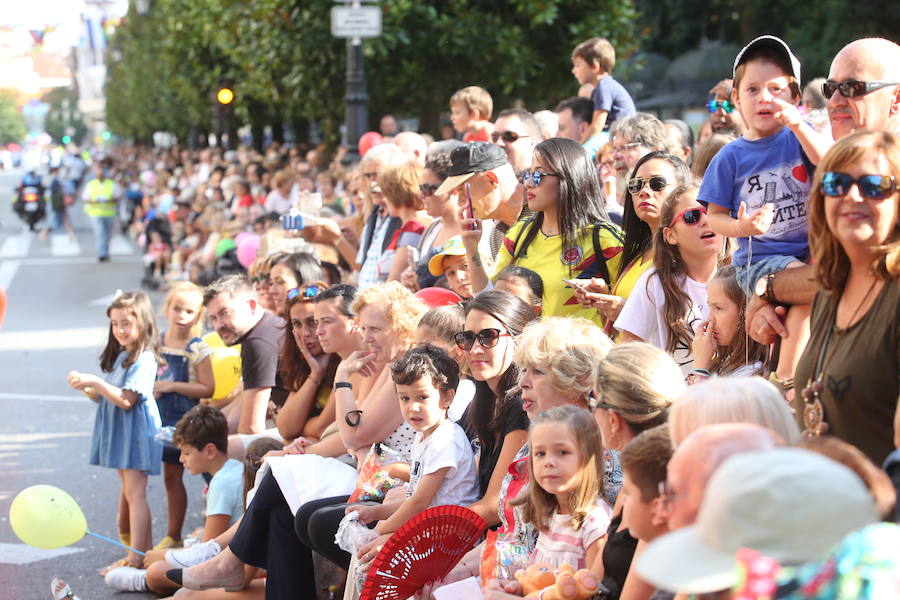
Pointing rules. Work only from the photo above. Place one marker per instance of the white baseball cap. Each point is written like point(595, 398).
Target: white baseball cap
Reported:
point(787, 503)
point(775, 43)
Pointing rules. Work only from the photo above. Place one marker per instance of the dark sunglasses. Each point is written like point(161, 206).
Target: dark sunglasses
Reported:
point(308, 293)
point(260, 279)
point(714, 105)
point(508, 136)
point(428, 189)
point(853, 88)
point(535, 177)
point(871, 187)
point(657, 183)
point(691, 216)
point(488, 338)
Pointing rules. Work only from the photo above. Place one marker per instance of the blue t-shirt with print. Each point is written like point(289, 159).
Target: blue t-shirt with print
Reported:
point(611, 96)
point(772, 169)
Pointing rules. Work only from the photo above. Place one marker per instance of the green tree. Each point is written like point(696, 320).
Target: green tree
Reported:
point(63, 114)
point(12, 123)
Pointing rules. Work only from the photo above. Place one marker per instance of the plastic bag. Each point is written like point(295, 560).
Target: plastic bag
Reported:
point(374, 481)
point(351, 535)
point(503, 555)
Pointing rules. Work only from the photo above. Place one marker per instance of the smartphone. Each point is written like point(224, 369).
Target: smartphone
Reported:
point(575, 283)
point(470, 212)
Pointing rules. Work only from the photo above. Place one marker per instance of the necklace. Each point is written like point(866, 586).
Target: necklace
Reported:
point(813, 412)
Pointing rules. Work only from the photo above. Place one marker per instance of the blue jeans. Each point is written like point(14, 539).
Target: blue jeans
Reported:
point(102, 233)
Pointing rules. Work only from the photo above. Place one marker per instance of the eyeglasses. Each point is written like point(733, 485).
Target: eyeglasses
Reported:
point(853, 88)
point(871, 187)
point(488, 338)
point(428, 189)
point(657, 183)
point(690, 216)
point(508, 137)
point(308, 293)
point(625, 147)
point(714, 105)
point(371, 176)
point(535, 177)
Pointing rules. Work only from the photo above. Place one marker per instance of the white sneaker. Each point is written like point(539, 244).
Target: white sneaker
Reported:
point(127, 579)
point(182, 558)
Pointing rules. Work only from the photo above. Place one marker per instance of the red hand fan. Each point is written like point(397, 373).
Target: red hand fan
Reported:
point(424, 550)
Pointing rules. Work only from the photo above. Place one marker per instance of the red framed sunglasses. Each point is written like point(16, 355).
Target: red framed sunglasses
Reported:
point(690, 216)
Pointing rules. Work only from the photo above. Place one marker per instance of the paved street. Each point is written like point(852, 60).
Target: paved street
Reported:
point(55, 322)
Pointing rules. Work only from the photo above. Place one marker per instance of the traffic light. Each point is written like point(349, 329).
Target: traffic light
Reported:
point(225, 96)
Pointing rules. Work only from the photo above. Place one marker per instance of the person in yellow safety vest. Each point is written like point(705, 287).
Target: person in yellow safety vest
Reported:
point(100, 196)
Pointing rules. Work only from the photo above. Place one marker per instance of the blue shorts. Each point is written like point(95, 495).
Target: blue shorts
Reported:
point(748, 275)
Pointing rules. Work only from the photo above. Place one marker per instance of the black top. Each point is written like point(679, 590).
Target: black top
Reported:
point(617, 555)
point(260, 348)
point(512, 418)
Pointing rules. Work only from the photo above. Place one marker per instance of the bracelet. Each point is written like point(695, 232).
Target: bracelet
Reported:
point(343, 384)
point(352, 417)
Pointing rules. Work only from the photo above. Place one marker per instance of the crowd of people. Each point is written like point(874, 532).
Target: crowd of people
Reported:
point(657, 361)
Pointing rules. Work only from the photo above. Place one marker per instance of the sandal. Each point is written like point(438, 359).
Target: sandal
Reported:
point(60, 590)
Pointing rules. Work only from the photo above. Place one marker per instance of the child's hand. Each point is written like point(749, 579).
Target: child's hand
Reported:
point(164, 387)
point(79, 381)
point(298, 446)
point(367, 514)
point(787, 114)
point(759, 222)
point(704, 345)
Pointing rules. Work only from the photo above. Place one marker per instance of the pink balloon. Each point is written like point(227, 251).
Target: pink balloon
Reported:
point(367, 140)
point(246, 250)
point(435, 296)
point(241, 237)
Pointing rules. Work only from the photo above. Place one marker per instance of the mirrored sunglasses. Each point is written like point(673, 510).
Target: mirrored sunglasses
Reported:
point(308, 293)
point(871, 187)
point(726, 105)
point(853, 88)
point(535, 177)
point(657, 183)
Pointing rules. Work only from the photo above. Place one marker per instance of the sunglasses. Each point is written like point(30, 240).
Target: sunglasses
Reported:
point(308, 292)
point(260, 279)
point(428, 189)
point(690, 216)
point(535, 177)
point(714, 105)
point(853, 88)
point(507, 136)
point(488, 338)
point(871, 187)
point(657, 183)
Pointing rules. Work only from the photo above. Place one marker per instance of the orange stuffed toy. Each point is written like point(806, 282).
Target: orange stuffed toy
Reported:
point(543, 581)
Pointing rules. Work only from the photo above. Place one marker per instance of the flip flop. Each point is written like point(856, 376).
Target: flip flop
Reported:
point(60, 590)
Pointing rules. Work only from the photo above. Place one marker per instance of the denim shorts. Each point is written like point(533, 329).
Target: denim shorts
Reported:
point(748, 275)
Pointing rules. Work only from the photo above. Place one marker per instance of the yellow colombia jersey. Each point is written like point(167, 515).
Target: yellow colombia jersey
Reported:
point(546, 257)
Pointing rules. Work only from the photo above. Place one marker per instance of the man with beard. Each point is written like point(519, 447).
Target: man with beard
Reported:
point(723, 115)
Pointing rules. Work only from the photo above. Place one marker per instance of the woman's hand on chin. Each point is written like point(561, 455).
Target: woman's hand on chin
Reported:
point(361, 361)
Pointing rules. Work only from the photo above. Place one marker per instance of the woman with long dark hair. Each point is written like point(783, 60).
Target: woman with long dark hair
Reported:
point(290, 271)
point(654, 176)
point(570, 235)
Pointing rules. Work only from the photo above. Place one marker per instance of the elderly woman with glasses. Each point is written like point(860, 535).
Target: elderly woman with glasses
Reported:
point(851, 363)
point(570, 236)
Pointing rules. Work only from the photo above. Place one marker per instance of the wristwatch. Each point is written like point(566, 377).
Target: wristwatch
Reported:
point(764, 289)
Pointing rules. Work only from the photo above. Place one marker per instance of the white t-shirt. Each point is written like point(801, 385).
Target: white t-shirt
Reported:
point(644, 314)
point(447, 446)
point(275, 202)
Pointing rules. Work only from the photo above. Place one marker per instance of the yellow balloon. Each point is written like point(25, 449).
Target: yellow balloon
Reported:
point(226, 365)
point(213, 340)
point(47, 517)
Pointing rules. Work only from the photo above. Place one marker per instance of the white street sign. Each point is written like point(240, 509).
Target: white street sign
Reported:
point(356, 22)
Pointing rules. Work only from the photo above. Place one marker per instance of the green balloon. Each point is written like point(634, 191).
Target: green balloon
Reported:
point(224, 245)
point(47, 517)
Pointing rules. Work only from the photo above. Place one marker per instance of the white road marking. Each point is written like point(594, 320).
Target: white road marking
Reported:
point(62, 245)
point(53, 339)
point(16, 246)
point(23, 554)
point(8, 269)
point(45, 397)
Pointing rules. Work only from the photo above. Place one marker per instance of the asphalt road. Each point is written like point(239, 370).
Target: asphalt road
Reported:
point(56, 322)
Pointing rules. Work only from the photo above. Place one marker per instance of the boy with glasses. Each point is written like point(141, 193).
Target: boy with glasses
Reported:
point(757, 186)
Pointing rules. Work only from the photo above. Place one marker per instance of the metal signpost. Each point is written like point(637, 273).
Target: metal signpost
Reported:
point(354, 22)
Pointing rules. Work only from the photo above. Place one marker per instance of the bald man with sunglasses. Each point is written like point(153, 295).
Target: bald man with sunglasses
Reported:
point(863, 92)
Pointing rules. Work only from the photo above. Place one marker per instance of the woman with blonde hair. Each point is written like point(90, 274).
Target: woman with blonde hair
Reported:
point(851, 363)
point(634, 386)
point(732, 400)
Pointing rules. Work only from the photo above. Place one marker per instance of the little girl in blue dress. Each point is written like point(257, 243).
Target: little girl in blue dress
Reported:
point(127, 419)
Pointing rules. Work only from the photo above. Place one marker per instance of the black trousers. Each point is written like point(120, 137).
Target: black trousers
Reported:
point(266, 539)
point(317, 522)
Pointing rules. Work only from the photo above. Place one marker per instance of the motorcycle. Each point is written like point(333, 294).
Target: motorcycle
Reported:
point(29, 203)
